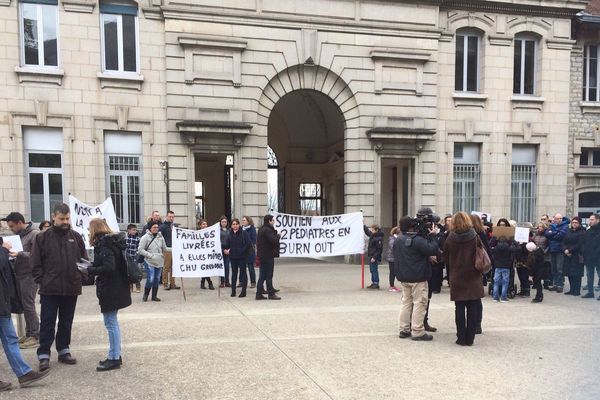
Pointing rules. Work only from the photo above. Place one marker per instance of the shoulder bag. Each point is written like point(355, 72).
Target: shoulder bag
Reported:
point(483, 263)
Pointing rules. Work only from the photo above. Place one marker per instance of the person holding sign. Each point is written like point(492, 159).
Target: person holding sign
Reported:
point(152, 248)
point(112, 287)
point(203, 224)
point(267, 247)
point(54, 257)
point(239, 246)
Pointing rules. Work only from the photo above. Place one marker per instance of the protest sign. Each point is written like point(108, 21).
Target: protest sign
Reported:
point(522, 235)
point(82, 214)
point(197, 254)
point(485, 216)
point(506, 231)
point(15, 241)
point(311, 236)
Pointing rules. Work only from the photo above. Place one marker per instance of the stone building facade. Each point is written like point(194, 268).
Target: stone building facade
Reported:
point(312, 106)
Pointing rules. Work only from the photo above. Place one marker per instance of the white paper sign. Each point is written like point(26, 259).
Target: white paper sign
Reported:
point(308, 236)
point(15, 241)
point(522, 235)
point(82, 214)
point(197, 254)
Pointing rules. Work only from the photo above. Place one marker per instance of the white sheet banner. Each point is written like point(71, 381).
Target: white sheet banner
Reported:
point(308, 236)
point(82, 214)
point(197, 254)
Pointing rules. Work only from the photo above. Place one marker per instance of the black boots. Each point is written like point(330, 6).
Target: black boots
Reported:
point(154, 292)
point(429, 328)
point(107, 365)
point(146, 293)
point(210, 284)
point(202, 284)
point(243, 292)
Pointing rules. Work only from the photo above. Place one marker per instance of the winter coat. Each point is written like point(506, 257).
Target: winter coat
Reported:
point(375, 248)
point(502, 253)
point(146, 227)
point(22, 264)
point(411, 257)
point(224, 238)
point(166, 230)
point(541, 241)
point(459, 256)
point(110, 267)
point(267, 243)
point(390, 250)
point(556, 233)
point(153, 250)
point(9, 298)
point(591, 245)
point(535, 264)
point(54, 257)
point(239, 244)
point(251, 231)
point(573, 242)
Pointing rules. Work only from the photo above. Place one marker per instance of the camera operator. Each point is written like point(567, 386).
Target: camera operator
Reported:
point(412, 251)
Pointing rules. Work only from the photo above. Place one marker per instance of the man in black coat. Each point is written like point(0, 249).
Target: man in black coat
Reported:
point(9, 303)
point(267, 247)
point(591, 253)
point(413, 270)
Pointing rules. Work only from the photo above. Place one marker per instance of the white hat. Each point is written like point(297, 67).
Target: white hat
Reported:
point(531, 246)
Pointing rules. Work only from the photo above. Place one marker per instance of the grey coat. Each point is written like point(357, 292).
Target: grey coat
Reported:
point(153, 252)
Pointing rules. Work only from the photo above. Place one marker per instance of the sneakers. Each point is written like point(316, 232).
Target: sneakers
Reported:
point(108, 365)
point(44, 364)
point(552, 289)
point(423, 338)
point(32, 377)
point(29, 343)
point(373, 286)
point(496, 300)
point(559, 290)
point(588, 296)
point(503, 300)
point(404, 335)
point(4, 386)
point(393, 289)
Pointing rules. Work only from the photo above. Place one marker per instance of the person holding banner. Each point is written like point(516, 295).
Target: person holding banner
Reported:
point(112, 287)
point(248, 226)
point(267, 247)
point(225, 249)
point(203, 224)
point(165, 230)
point(152, 248)
point(239, 246)
point(374, 252)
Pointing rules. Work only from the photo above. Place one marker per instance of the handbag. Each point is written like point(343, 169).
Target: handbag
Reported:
point(483, 263)
point(140, 258)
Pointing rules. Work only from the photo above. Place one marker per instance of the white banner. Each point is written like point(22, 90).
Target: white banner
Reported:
point(82, 214)
point(308, 236)
point(197, 254)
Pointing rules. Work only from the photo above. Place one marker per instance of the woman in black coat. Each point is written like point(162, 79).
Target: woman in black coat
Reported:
point(112, 287)
point(573, 266)
point(239, 246)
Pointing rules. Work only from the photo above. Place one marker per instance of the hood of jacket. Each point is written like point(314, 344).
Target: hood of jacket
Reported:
point(463, 236)
point(114, 240)
point(27, 230)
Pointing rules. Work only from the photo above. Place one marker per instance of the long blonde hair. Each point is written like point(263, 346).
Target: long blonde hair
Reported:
point(98, 228)
point(461, 222)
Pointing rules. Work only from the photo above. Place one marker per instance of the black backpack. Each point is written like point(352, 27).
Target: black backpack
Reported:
point(134, 274)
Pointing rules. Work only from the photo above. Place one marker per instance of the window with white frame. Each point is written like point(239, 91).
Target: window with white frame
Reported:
point(119, 34)
point(589, 158)
point(199, 199)
point(523, 183)
point(44, 166)
point(310, 198)
point(123, 160)
point(525, 65)
point(466, 195)
point(39, 33)
point(591, 89)
point(466, 73)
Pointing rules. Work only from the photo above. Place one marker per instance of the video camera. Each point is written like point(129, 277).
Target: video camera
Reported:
point(424, 221)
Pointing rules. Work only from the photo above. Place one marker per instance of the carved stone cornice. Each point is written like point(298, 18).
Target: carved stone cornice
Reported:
point(563, 9)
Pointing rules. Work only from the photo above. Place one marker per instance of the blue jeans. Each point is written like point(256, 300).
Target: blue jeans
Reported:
point(501, 277)
point(374, 267)
point(10, 343)
point(114, 334)
point(556, 261)
point(153, 275)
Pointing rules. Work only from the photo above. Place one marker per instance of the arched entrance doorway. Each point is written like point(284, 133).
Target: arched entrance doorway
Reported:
point(306, 136)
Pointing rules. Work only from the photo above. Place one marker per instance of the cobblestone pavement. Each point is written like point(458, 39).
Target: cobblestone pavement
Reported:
point(327, 339)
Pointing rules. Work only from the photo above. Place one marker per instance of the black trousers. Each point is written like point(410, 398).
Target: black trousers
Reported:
point(64, 308)
point(537, 285)
point(465, 314)
point(238, 265)
point(575, 285)
point(265, 274)
point(437, 277)
point(523, 274)
point(392, 276)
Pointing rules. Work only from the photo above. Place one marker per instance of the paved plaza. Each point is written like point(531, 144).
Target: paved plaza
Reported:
point(327, 339)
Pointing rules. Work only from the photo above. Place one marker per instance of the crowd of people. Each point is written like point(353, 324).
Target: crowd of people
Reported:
point(54, 264)
point(418, 253)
